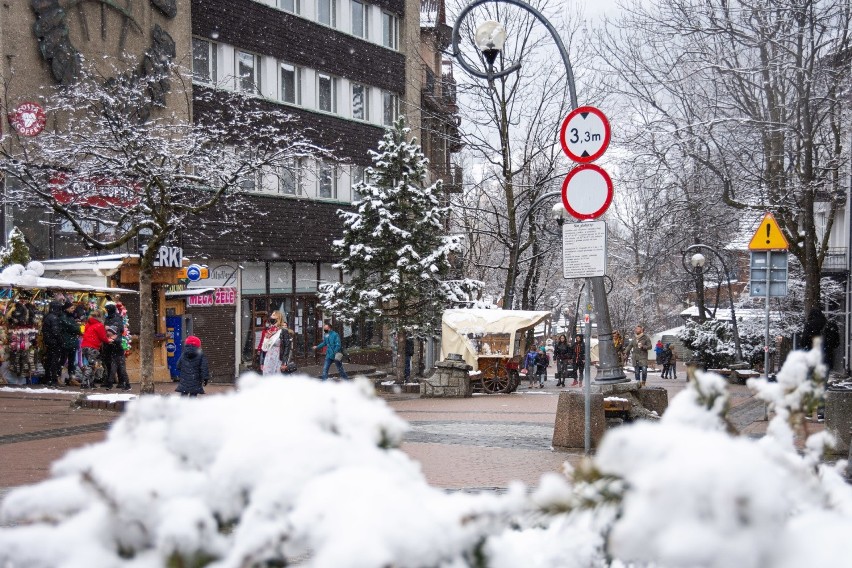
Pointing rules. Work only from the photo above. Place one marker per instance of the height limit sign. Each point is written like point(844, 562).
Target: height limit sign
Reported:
point(585, 134)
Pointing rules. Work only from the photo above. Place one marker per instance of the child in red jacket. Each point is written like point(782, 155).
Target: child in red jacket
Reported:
point(94, 337)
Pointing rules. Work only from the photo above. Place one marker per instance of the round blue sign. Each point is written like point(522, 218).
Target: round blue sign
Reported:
point(171, 347)
point(193, 272)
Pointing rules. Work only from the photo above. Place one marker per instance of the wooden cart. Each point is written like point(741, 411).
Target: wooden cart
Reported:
point(493, 342)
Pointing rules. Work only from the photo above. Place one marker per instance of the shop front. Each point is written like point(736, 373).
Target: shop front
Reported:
point(122, 271)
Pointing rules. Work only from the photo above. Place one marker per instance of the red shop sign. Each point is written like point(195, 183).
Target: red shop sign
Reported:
point(28, 119)
point(94, 192)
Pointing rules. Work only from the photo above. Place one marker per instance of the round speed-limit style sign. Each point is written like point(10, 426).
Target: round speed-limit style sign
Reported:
point(587, 192)
point(585, 134)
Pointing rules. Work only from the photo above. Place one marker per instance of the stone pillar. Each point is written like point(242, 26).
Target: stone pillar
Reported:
point(655, 399)
point(450, 380)
point(838, 419)
point(570, 427)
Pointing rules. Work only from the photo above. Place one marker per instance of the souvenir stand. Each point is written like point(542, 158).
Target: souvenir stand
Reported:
point(24, 299)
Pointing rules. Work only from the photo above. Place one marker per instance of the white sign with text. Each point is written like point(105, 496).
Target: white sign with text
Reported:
point(584, 249)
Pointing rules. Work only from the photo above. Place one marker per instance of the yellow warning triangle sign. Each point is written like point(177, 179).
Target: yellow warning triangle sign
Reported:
point(768, 236)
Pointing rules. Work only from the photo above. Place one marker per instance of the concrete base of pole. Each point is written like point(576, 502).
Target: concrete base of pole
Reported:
point(569, 428)
point(610, 376)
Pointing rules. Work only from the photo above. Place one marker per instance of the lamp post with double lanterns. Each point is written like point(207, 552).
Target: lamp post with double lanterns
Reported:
point(489, 38)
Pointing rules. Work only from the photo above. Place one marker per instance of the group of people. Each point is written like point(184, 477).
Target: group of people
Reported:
point(97, 336)
point(275, 348)
point(570, 362)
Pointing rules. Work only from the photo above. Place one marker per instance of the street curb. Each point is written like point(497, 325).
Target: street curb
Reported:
point(113, 406)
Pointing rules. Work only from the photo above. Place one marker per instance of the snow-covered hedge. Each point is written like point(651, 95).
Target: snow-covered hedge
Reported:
point(292, 469)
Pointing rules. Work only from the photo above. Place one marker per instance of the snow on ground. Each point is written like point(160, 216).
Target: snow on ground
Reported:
point(44, 390)
point(291, 468)
point(112, 397)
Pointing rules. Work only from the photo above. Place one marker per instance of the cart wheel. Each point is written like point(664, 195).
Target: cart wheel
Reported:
point(495, 379)
point(514, 381)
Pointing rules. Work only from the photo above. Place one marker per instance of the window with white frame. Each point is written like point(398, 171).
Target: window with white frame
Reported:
point(247, 71)
point(204, 63)
point(327, 12)
point(390, 30)
point(327, 180)
point(291, 6)
point(290, 178)
point(252, 181)
point(390, 108)
point(326, 92)
point(360, 19)
point(291, 83)
point(360, 102)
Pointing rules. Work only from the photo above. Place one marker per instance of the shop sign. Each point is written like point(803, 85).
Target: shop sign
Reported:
point(28, 119)
point(94, 192)
point(226, 296)
point(169, 257)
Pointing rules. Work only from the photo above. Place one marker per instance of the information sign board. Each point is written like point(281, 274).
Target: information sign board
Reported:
point(584, 249)
point(773, 264)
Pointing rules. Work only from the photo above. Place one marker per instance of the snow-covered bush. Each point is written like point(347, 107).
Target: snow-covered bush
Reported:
point(296, 470)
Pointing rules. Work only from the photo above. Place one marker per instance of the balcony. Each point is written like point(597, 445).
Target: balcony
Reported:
point(835, 261)
point(439, 94)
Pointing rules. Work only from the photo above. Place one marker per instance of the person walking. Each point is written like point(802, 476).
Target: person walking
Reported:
point(69, 329)
point(618, 344)
point(639, 346)
point(409, 353)
point(271, 344)
point(333, 352)
point(562, 354)
point(113, 352)
point(579, 359)
point(51, 338)
point(666, 361)
point(193, 370)
point(658, 352)
point(542, 361)
point(94, 337)
point(672, 362)
point(529, 364)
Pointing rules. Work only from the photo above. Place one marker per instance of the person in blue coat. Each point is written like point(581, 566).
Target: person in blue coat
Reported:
point(333, 352)
point(192, 368)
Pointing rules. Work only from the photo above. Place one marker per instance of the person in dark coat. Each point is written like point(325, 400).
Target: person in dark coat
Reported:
point(830, 342)
point(409, 353)
point(113, 353)
point(69, 329)
point(813, 328)
point(579, 359)
point(562, 354)
point(193, 371)
point(51, 337)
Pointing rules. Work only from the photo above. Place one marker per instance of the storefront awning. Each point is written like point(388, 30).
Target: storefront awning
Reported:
point(29, 282)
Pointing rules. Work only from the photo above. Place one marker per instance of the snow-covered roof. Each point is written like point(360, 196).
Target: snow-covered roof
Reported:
point(743, 236)
point(38, 282)
point(429, 12)
point(103, 263)
point(742, 314)
point(190, 292)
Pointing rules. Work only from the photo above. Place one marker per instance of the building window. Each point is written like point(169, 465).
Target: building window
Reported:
point(359, 176)
point(390, 30)
point(204, 64)
point(290, 179)
point(327, 181)
point(390, 108)
point(291, 6)
point(248, 72)
point(291, 84)
point(251, 181)
point(326, 93)
point(360, 102)
point(327, 12)
point(360, 19)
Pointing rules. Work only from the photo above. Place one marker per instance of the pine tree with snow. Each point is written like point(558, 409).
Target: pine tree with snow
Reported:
point(17, 251)
point(394, 249)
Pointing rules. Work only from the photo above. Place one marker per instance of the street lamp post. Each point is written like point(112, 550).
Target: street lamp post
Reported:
point(697, 261)
point(489, 38)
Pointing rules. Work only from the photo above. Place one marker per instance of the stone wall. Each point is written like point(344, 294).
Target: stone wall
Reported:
point(450, 380)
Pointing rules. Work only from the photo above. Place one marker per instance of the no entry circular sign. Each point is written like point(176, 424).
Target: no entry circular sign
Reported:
point(585, 134)
point(587, 192)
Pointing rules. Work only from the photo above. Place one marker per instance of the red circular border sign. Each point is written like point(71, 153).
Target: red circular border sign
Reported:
point(607, 134)
point(607, 202)
point(28, 119)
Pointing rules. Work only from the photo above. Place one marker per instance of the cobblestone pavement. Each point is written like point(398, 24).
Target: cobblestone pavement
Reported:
point(484, 442)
